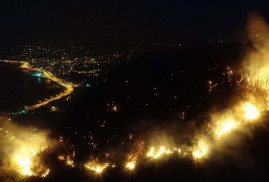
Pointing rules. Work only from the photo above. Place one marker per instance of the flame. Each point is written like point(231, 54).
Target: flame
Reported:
point(98, 168)
point(30, 165)
point(225, 126)
point(256, 66)
point(251, 112)
point(130, 165)
point(25, 149)
point(155, 154)
point(46, 172)
point(25, 164)
point(201, 150)
point(136, 153)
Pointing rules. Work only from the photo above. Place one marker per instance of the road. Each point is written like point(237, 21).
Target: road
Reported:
point(69, 87)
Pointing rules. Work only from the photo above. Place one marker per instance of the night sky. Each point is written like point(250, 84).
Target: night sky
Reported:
point(127, 22)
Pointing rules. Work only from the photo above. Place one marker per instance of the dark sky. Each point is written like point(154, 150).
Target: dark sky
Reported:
point(117, 22)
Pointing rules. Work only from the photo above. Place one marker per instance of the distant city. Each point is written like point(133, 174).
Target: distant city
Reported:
point(79, 64)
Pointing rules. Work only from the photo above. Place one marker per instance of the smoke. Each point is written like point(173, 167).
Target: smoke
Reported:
point(21, 149)
point(256, 61)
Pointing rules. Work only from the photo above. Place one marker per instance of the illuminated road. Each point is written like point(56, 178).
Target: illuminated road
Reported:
point(69, 87)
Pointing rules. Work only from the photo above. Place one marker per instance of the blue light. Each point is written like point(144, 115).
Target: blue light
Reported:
point(19, 112)
point(38, 74)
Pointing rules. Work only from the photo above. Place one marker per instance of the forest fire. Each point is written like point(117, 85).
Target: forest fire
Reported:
point(24, 146)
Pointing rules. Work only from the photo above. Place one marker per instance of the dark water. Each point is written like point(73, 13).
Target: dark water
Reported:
point(19, 88)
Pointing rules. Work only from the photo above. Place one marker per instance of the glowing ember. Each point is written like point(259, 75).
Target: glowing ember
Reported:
point(61, 157)
point(68, 160)
point(53, 108)
point(45, 173)
point(136, 153)
point(201, 150)
point(115, 108)
point(251, 112)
